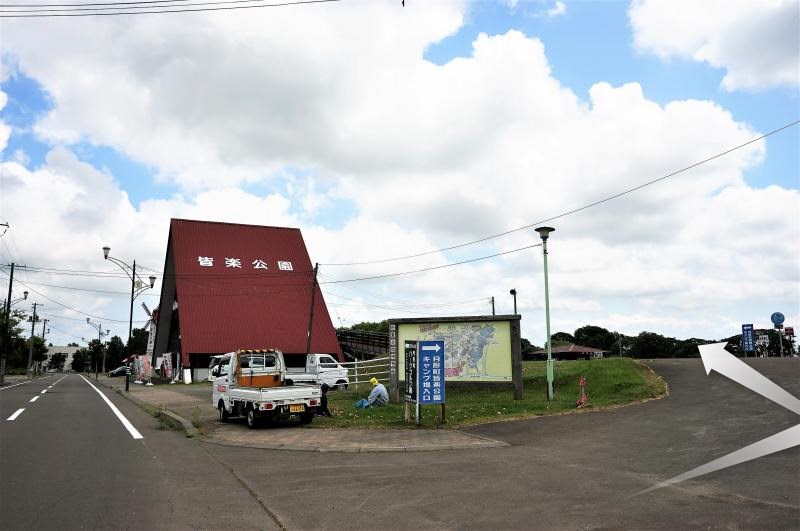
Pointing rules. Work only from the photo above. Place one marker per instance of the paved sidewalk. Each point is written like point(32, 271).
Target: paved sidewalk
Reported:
point(191, 405)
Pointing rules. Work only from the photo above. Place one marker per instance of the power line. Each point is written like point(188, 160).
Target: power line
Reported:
point(76, 5)
point(97, 13)
point(71, 308)
point(200, 276)
point(431, 268)
point(575, 210)
point(127, 293)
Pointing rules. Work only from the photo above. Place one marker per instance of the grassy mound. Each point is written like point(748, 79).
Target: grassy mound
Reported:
point(608, 382)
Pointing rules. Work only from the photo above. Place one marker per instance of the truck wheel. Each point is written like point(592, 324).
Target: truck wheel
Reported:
point(252, 419)
point(223, 413)
point(306, 418)
point(341, 385)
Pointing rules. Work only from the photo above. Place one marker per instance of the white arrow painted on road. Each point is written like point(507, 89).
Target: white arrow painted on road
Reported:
point(715, 357)
point(780, 441)
point(435, 348)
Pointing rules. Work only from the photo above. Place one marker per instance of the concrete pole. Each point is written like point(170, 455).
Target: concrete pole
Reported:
point(6, 332)
point(547, 319)
point(30, 347)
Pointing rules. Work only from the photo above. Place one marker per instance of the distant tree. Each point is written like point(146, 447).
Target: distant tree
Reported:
point(81, 360)
point(651, 345)
point(561, 338)
point(14, 343)
point(57, 361)
point(382, 326)
point(39, 349)
point(115, 352)
point(688, 348)
point(96, 350)
point(137, 344)
point(528, 349)
point(72, 345)
point(595, 337)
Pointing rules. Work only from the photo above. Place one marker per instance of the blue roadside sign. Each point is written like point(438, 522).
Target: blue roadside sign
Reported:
point(430, 371)
point(748, 338)
point(777, 318)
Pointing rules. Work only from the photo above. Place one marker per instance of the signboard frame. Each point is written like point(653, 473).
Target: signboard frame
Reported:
point(514, 338)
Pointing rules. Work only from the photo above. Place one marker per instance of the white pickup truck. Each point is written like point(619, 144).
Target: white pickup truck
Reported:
point(320, 369)
point(253, 383)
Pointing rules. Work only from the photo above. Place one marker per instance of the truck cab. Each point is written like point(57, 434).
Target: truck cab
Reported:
point(320, 369)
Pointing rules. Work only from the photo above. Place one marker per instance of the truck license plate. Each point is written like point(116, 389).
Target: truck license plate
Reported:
point(297, 408)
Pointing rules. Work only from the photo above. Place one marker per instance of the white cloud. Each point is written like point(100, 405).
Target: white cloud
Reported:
point(756, 42)
point(560, 8)
point(5, 130)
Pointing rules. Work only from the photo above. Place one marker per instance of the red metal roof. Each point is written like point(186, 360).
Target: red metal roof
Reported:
point(245, 286)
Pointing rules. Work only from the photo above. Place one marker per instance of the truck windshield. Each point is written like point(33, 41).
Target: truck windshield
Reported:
point(327, 361)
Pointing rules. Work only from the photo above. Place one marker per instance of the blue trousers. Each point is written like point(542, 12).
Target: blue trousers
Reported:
point(361, 404)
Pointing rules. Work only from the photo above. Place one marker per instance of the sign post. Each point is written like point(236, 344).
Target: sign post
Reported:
point(430, 371)
point(777, 319)
point(411, 379)
point(748, 339)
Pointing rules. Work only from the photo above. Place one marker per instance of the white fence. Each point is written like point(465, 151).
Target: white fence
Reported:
point(360, 372)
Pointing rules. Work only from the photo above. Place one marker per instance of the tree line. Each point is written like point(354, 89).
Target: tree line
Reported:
point(644, 345)
point(16, 344)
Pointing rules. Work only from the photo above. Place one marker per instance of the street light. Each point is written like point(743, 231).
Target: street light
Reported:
point(513, 292)
point(137, 284)
point(24, 297)
point(544, 233)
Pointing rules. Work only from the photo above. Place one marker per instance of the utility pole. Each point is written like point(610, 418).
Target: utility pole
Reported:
point(30, 347)
point(6, 332)
point(44, 327)
point(311, 318)
point(493, 305)
point(133, 288)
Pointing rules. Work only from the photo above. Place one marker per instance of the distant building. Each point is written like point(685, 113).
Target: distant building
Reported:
point(69, 352)
point(571, 352)
point(228, 286)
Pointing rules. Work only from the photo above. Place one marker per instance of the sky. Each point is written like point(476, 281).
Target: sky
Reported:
point(384, 131)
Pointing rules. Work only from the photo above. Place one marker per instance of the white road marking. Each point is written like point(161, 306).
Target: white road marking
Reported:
point(125, 422)
point(16, 414)
point(23, 383)
point(35, 398)
point(44, 391)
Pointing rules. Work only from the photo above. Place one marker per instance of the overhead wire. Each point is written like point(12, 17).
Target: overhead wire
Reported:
point(69, 307)
point(574, 210)
point(224, 5)
point(432, 268)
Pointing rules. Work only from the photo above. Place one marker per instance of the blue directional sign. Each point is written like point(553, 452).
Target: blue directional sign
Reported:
point(430, 371)
point(777, 318)
point(748, 338)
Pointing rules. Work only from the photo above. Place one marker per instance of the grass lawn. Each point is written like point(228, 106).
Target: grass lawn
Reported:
point(608, 381)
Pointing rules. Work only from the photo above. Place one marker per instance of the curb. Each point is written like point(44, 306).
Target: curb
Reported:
point(363, 449)
point(172, 418)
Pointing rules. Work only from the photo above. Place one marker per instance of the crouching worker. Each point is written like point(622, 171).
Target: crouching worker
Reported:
point(378, 397)
point(322, 409)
